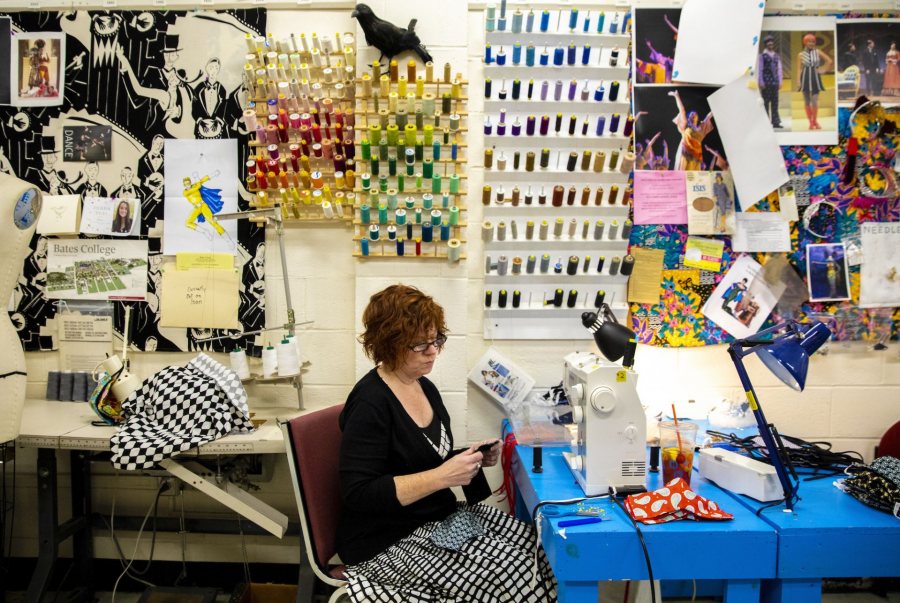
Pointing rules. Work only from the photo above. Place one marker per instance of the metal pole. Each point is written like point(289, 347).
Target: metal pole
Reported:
point(765, 431)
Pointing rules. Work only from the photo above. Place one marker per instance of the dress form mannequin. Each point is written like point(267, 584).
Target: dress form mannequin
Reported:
point(20, 205)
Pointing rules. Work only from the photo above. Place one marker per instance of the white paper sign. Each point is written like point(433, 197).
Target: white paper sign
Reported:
point(716, 40)
point(880, 271)
point(760, 232)
point(754, 156)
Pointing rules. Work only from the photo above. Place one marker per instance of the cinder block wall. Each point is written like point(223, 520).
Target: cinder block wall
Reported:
point(852, 397)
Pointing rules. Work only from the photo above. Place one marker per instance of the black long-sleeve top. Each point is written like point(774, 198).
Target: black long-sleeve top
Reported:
point(380, 441)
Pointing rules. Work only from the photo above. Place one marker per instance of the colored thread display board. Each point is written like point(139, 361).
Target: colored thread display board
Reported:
point(556, 194)
point(410, 199)
point(301, 124)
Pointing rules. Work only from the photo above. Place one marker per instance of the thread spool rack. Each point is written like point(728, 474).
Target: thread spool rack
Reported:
point(412, 127)
point(302, 149)
point(557, 194)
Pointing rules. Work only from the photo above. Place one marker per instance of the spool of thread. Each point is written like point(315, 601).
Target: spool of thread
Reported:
point(80, 386)
point(239, 365)
point(487, 231)
point(488, 297)
point(502, 265)
point(66, 385)
point(614, 265)
point(269, 361)
point(626, 229)
point(627, 162)
point(545, 263)
point(52, 392)
point(454, 250)
point(628, 265)
point(613, 229)
point(572, 265)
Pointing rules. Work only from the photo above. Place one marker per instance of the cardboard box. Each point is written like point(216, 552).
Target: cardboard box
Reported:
point(264, 593)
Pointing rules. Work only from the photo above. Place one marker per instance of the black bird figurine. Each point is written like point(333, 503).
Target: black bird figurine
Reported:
point(389, 39)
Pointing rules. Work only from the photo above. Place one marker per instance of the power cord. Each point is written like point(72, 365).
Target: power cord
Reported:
point(815, 456)
point(612, 495)
point(137, 542)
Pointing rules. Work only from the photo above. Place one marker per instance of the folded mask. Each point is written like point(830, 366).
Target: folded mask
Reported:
point(673, 501)
point(457, 530)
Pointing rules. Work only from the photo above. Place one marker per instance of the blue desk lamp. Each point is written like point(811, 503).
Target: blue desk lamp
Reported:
point(786, 354)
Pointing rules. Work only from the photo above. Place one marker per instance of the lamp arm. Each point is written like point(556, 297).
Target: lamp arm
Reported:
point(765, 431)
point(745, 346)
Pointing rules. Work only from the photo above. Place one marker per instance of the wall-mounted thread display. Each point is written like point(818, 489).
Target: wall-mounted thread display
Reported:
point(301, 120)
point(562, 21)
point(412, 153)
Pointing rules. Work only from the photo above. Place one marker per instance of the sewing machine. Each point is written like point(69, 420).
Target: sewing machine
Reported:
point(612, 432)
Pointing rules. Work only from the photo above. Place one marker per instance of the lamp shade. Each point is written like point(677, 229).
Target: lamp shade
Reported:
point(788, 358)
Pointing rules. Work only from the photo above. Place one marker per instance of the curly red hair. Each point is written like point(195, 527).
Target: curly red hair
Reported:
point(398, 317)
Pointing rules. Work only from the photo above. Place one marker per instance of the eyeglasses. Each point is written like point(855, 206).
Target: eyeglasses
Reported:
point(438, 343)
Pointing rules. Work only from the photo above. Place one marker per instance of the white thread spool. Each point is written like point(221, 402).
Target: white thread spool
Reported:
point(327, 209)
point(269, 361)
point(293, 339)
point(454, 250)
point(288, 359)
point(239, 363)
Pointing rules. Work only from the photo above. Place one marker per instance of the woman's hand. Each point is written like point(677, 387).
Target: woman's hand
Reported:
point(459, 469)
point(492, 455)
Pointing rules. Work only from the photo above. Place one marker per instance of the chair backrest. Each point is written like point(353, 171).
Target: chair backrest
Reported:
point(313, 444)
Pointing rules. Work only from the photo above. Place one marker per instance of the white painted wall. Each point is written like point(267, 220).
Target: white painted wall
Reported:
point(852, 397)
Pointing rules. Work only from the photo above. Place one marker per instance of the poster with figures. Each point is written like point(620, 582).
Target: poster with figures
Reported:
point(148, 76)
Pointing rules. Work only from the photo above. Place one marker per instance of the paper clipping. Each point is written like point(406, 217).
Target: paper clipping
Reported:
point(880, 271)
point(710, 203)
point(705, 254)
point(498, 377)
point(96, 269)
point(111, 217)
point(742, 301)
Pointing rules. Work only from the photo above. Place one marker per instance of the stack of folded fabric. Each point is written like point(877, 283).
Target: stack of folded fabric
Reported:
point(877, 485)
point(674, 501)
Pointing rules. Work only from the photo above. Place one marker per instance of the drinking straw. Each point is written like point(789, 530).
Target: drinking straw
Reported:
point(677, 432)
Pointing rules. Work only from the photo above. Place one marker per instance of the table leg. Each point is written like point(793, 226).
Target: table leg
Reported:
point(48, 540)
point(578, 592)
point(741, 591)
point(801, 590)
point(82, 537)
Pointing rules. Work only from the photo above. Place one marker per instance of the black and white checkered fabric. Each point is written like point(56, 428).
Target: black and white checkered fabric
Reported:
point(177, 409)
point(497, 566)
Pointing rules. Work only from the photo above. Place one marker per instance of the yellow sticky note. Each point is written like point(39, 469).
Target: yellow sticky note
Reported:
point(200, 298)
point(190, 260)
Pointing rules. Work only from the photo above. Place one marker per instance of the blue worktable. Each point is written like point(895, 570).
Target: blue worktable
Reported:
point(740, 552)
point(830, 534)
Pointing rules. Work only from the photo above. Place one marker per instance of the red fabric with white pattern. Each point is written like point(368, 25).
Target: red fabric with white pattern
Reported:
point(673, 501)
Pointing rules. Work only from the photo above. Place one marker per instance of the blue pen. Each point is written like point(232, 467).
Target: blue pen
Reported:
point(566, 523)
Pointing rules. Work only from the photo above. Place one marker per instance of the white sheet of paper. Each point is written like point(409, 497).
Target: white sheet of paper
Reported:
point(716, 40)
point(758, 232)
point(59, 215)
point(880, 271)
point(754, 156)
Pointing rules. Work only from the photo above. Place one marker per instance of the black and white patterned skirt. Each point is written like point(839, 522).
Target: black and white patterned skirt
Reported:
point(498, 566)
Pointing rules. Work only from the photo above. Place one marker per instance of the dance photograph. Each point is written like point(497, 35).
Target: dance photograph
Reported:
point(868, 60)
point(87, 143)
point(655, 34)
point(826, 272)
point(39, 61)
point(795, 76)
point(674, 129)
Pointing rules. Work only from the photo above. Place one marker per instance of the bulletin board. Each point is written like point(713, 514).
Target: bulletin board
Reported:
point(149, 76)
point(677, 320)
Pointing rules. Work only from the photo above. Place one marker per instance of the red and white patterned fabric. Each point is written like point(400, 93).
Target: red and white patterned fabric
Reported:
point(673, 501)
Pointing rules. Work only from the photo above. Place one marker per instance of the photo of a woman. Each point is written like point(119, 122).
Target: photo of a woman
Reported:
point(891, 85)
point(122, 220)
point(811, 64)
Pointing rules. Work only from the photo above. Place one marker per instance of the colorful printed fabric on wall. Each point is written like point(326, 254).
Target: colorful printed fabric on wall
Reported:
point(147, 76)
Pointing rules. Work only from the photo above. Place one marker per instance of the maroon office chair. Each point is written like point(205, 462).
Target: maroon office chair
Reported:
point(313, 444)
point(890, 442)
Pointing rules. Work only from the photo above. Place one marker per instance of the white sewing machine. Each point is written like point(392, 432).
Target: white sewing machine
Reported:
point(612, 431)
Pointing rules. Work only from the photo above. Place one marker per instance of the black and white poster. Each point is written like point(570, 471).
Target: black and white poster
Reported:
point(145, 76)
